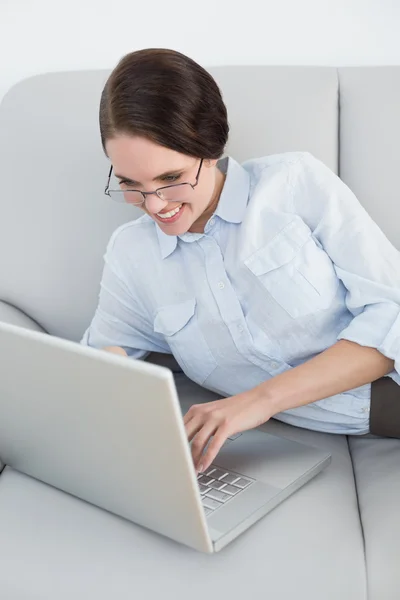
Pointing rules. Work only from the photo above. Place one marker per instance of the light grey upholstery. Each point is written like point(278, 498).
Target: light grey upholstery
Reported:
point(53, 232)
point(58, 219)
point(377, 474)
point(292, 108)
point(369, 141)
point(11, 314)
point(369, 163)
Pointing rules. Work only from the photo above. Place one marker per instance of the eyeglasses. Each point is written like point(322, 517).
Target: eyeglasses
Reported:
point(177, 192)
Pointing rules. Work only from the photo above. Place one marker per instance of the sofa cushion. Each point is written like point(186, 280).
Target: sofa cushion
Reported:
point(377, 473)
point(369, 141)
point(14, 316)
point(275, 109)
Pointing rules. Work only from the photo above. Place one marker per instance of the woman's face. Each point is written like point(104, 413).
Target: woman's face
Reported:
point(143, 165)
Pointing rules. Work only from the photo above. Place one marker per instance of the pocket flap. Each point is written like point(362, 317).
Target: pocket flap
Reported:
point(172, 318)
point(280, 250)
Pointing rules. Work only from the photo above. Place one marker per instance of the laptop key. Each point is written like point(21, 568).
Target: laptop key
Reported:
point(231, 478)
point(217, 485)
point(210, 503)
point(203, 489)
point(231, 489)
point(205, 480)
point(217, 495)
point(242, 483)
point(216, 473)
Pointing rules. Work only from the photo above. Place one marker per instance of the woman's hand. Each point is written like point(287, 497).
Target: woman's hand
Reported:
point(115, 350)
point(220, 419)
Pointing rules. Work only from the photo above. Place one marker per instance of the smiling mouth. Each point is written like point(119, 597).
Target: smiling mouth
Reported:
point(171, 215)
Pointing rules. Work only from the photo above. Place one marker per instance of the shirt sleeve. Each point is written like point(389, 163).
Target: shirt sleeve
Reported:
point(120, 319)
point(364, 259)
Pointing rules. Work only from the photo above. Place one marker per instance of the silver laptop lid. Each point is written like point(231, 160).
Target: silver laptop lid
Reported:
point(101, 427)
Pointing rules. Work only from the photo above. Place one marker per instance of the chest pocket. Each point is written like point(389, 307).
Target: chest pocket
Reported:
point(295, 271)
point(178, 324)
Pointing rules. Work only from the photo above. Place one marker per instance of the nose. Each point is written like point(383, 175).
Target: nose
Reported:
point(154, 204)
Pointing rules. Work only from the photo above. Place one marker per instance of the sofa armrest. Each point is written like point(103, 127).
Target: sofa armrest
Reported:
point(14, 316)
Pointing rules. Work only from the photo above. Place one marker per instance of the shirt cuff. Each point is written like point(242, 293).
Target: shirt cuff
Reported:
point(390, 346)
point(377, 327)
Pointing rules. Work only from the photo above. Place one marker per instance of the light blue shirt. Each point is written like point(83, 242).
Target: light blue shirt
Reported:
point(289, 264)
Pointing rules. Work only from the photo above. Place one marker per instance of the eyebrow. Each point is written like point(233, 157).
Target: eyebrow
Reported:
point(165, 174)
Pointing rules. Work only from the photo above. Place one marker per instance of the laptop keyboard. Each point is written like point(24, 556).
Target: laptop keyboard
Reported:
point(218, 486)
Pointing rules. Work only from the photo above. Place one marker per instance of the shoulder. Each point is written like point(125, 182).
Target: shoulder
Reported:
point(283, 159)
point(274, 178)
point(131, 241)
point(287, 163)
point(271, 181)
point(131, 233)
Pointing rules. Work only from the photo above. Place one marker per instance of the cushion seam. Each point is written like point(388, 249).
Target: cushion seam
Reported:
point(359, 512)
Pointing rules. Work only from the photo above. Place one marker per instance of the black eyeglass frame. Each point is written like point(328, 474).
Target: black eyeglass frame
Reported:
point(157, 191)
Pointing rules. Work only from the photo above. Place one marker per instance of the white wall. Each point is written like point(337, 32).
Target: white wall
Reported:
point(44, 35)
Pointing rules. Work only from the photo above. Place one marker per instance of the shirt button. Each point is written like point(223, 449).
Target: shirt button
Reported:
point(274, 365)
point(240, 328)
point(212, 221)
point(221, 285)
point(366, 409)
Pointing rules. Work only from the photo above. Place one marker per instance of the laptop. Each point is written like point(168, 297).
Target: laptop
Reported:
point(110, 431)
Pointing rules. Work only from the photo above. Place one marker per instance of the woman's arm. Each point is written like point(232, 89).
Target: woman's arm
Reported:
point(364, 259)
point(121, 324)
point(344, 366)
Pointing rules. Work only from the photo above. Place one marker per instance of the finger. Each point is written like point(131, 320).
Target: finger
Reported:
point(193, 411)
point(219, 439)
point(200, 442)
point(193, 426)
point(115, 350)
point(188, 415)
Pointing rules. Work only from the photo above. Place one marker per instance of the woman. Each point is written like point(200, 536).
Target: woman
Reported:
point(267, 281)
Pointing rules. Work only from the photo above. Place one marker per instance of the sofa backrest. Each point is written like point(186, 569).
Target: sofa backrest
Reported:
point(55, 220)
point(370, 141)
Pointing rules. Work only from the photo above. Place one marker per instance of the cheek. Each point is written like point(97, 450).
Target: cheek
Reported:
point(202, 197)
point(197, 207)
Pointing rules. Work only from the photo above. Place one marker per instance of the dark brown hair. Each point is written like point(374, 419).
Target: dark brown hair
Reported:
point(168, 98)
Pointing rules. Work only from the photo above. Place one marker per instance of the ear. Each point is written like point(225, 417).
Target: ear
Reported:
point(210, 162)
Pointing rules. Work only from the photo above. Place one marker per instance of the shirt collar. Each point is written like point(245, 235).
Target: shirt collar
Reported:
point(231, 206)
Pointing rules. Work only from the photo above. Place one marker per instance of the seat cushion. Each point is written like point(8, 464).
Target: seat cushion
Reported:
point(377, 472)
point(14, 316)
point(310, 546)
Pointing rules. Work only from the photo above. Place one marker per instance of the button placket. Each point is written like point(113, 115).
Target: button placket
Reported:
point(223, 293)
point(230, 308)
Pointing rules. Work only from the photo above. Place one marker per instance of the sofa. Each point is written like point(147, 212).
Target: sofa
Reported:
point(339, 536)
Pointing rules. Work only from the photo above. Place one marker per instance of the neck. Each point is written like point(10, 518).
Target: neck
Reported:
point(198, 226)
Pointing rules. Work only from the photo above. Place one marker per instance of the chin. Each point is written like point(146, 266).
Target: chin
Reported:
point(173, 229)
point(177, 230)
